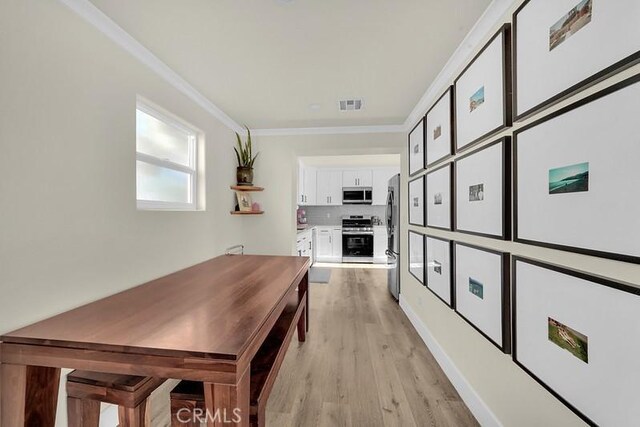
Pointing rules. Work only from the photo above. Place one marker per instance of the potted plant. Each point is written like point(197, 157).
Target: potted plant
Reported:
point(244, 154)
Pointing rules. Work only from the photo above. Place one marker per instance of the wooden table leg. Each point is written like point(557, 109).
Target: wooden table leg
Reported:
point(29, 395)
point(303, 292)
point(228, 405)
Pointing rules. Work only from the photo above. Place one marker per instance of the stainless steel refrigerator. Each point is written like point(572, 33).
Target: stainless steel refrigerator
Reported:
point(393, 234)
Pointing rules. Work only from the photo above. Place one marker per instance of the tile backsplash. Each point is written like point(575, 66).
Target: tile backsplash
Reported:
point(332, 215)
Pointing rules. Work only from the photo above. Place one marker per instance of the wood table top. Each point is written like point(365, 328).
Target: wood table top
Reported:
point(211, 310)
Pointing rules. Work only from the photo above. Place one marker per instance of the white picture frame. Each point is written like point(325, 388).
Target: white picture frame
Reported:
point(482, 293)
point(576, 174)
point(483, 92)
point(483, 191)
point(415, 149)
point(572, 333)
point(603, 40)
point(416, 256)
point(416, 201)
point(439, 129)
point(439, 274)
point(439, 200)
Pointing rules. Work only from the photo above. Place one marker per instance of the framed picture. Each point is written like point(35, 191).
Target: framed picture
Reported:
point(481, 283)
point(416, 148)
point(588, 40)
point(483, 191)
point(439, 200)
point(483, 92)
point(439, 272)
point(576, 176)
point(416, 201)
point(439, 129)
point(416, 255)
point(576, 334)
point(244, 201)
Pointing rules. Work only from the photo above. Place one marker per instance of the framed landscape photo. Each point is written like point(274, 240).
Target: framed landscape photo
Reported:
point(576, 176)
point(416, 201)
point(482, 293)
point(483, 191)
point(439, 129)
point(587, 39)
point(483, 92)
point(416, 148)
point(416, 256)
point(577, 335)
point(439, 197)
point(439, 274)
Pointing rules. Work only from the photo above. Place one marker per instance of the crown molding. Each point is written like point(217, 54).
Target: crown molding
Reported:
point(89, 12)
point(491, 19)
point(337, 130)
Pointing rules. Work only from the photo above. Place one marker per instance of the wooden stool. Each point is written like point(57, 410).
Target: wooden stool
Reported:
point(86, 390)
point(188, 396)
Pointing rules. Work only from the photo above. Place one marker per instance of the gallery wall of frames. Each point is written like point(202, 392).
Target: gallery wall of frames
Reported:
point(568, 180)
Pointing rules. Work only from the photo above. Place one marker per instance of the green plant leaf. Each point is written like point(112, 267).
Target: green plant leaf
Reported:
point(237, 156)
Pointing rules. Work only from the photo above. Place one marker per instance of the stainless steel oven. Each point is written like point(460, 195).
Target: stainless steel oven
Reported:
point(357, 239)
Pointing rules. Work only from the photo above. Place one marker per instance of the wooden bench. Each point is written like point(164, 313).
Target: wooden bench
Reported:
point(188, 400)
point(86, 390)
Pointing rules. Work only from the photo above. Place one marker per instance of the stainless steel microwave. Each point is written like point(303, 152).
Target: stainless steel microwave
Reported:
point(357, 195)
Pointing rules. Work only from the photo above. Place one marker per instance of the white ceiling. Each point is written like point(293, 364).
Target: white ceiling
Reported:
point(352, 161)
point(264, 62)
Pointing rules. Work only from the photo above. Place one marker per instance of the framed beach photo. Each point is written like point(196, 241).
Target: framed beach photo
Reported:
point(439, 274)
point(439, 197)
point(416, 148)
point(483, 92)
point(576, 334)
point(482, 293)
point(483, 191)
point(588, 40)
point(439, 129)
point(574, 173)
point(416, 201)
point(416, 255)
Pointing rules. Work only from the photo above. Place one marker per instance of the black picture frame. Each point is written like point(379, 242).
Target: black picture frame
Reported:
point(507, 116)
point(424, 200)
point(507, 160)
point(452, 297)
point(580, 250)
point(570, 272)
point(422, 280)
point(506, 295)
point(452, 113)
point(424, 149)
point(607, 72)
point(452, 177)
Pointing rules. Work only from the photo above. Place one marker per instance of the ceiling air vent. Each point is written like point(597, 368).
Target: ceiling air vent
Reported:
point(351, 105)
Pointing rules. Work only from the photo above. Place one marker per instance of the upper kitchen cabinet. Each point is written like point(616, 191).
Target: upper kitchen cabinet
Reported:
point(306, 185)
point(357, 178)
point(380, 185)
point(329, 188)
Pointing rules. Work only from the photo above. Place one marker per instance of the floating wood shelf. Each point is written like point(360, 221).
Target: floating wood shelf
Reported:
point(247, 212)
point(246, 188)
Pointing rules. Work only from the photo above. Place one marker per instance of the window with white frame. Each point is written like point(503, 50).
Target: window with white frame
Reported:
point(166, 161)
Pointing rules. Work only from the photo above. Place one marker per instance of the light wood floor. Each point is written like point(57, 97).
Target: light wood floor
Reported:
point(363, 364)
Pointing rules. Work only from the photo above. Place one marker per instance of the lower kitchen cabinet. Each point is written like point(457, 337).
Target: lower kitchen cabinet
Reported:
point(379, 244)
point(329, 244)
point(304, 244)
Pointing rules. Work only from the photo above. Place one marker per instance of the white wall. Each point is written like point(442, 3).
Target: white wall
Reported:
point(69, 229)
point(276, 170)
point(508, 393)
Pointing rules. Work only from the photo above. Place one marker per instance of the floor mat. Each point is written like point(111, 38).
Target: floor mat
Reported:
point(319, 275)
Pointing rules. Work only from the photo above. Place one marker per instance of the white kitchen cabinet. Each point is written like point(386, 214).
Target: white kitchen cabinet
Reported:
point(379, 244)
point(304, 244)
point(380, 186)
point(329, 187)
point(357, 178)
point(306, 185)
point(329, 244)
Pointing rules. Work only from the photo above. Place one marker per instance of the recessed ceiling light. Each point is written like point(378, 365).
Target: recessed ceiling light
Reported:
point(285, 1)
point(314, 107)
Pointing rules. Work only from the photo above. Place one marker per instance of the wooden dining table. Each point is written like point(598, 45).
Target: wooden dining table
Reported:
point(204, 323)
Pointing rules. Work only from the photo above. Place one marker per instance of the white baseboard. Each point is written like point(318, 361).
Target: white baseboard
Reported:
point(476, 405)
